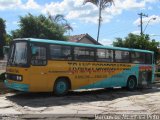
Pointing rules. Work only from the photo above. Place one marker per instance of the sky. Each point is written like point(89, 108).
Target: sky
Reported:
point(118, 20)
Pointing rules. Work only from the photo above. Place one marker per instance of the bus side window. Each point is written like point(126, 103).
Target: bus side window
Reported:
point(137, 57)
point(122, 56)
point(104, 55)
point(84, 53)
point(60, 52)
point(148, 58)
point(38, 56)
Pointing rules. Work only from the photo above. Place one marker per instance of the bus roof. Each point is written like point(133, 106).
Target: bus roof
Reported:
point(81, 44)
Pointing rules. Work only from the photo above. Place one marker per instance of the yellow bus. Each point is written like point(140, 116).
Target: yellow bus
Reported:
point(41, 65)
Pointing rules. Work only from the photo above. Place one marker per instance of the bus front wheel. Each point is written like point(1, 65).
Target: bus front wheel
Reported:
point(61, 87)
point(131, 83)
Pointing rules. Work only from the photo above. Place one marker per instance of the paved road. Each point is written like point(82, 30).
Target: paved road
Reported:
point(84, 104)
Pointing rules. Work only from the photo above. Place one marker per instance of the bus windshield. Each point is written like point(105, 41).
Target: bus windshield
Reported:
point(18, 54)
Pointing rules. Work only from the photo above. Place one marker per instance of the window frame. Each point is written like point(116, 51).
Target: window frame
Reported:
point(27, 65)
point(94, 57)
point(39, 45)
point(139, 53)
point(49, 53)
point(151, 59)
point(129, 59)
point(113, 60)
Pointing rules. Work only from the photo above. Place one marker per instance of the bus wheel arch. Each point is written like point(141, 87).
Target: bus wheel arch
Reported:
point(61, 86)
point(131, 83)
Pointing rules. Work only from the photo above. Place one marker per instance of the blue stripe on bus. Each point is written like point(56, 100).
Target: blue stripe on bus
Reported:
point(17, 86)
point(116, 80)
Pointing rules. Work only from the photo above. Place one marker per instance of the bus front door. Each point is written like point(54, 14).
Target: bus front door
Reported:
point(38, 76)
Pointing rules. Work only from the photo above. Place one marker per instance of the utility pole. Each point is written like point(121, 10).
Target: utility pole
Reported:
point(141, 22)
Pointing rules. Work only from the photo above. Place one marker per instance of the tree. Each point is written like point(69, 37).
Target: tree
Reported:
point(2, 36)
point(57, 18)
point(8, 39)
point(138, 42)
point(60, 19)
point(102, 4)
point(38, 27)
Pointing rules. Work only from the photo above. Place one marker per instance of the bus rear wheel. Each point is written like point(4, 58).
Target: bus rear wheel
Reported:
point(131, 83)
point(61, 87)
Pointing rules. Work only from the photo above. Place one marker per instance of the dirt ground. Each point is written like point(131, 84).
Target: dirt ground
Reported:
point(80, 104)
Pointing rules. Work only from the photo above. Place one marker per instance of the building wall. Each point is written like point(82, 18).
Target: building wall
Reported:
point(85, 40)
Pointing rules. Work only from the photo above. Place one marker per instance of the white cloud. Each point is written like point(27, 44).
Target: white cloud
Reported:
point(154, 19)
point(9, 4)
point(154, 34)
point(106, 42)
point(74, 25)
point(151, 1)
point(75, 10)
point(31, 4)
point(17, 4)
point(150, 8)
point(137, 22)
point(15, 23)
point(129, 4)
point(137, 32)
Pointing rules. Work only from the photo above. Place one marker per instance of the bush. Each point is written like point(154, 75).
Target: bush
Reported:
point(2, 76)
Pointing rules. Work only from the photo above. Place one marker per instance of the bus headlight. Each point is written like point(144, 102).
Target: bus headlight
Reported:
point(19, 78)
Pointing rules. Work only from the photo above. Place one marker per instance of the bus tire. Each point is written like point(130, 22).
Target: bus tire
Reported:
point(131, 83)
point(61, 87)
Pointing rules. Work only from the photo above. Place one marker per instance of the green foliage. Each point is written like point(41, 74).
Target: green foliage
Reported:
point(38, 27)
point(2, 36)
point(8, 39)
point(2, 76)
point(138, 42)
point(60, 19)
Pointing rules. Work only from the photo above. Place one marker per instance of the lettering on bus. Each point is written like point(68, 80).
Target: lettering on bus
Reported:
point(145, 68)
point(88, 76)
point(12, 70)
point(76, 67)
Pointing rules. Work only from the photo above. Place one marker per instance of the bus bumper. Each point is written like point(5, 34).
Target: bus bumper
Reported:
point(17, 86)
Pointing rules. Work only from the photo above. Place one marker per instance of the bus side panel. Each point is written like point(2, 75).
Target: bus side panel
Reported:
point(117, 78)
point(67, 69)
point(121, 78)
